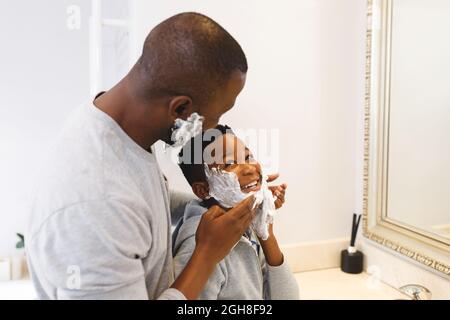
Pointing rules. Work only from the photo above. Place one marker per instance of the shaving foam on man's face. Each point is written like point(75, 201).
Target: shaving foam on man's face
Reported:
point(184, 130)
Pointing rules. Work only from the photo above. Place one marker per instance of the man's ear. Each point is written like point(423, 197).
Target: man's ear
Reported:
point(201, 189)
point(180, 107)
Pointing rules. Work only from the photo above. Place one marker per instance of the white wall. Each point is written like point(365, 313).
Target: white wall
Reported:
point(44, 75)
point(306, 78)
point(40, 81)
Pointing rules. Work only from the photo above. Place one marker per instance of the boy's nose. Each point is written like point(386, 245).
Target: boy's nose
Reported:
point(249, 169)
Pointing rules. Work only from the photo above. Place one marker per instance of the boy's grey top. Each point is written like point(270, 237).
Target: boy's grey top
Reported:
point(100, 218)
point(243, 274)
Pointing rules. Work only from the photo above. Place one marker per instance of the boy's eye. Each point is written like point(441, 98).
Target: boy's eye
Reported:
point(248, 158)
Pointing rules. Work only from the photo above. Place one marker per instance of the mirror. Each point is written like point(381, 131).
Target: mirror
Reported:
point(407, 129)
point(418, 183)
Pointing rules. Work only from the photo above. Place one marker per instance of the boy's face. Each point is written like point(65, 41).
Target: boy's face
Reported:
point(230, 154)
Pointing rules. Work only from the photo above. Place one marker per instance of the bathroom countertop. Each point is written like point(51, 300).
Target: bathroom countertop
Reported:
point(333, 284)
point(17, 290)
point(327, 284)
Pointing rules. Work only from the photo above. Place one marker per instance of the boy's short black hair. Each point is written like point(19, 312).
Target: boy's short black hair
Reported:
point(190, 157)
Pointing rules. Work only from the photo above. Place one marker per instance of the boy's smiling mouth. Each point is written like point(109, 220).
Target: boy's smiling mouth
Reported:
point(255, 185)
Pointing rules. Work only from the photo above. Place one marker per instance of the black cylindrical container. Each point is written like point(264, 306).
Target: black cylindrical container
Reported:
point(351, 262)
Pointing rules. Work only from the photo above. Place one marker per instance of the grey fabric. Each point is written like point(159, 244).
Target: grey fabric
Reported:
point(243, 274)
point(100, 218)
point(178, 202)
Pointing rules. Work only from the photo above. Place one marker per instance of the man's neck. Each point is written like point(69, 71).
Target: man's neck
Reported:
point(120, 105)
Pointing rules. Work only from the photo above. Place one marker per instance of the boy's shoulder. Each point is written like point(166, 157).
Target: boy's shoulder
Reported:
point(187, 227)
point(193, 209)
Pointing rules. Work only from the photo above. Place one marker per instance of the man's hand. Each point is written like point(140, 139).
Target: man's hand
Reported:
point(218, 232)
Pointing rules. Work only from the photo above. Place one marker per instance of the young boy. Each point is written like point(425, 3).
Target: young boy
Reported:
point(255, 268)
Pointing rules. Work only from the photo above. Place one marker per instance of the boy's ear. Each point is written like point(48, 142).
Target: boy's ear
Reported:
point(201, 189)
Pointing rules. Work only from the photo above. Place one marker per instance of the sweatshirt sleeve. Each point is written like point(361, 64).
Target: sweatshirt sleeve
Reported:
point(279, 281)
point(172, 294)
point(93, 251)
point(211, 290)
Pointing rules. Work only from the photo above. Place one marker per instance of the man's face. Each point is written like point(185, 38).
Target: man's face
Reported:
point(223, 100)
point(229, 153)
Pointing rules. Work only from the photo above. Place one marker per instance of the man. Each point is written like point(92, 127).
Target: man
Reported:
point(100, 220)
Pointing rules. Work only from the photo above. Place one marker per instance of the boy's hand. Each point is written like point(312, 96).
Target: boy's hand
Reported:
point(218, 232)
point(278, 192)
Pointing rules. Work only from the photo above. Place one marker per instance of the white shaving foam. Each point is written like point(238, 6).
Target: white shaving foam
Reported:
point(186, 129)
point(225, 188)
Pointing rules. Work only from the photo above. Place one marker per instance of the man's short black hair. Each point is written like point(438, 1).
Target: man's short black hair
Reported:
point(187, 54)
point(191, 155)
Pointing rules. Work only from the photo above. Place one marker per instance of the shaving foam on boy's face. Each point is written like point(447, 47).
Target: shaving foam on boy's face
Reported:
point(225, 188)
point(230, 155)
point(233, 180)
